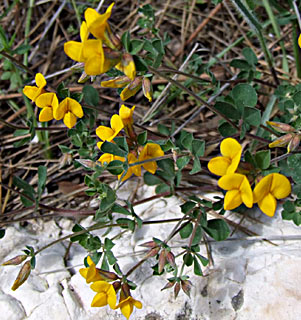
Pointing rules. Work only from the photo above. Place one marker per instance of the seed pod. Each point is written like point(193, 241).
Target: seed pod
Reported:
point(15, 261)
point(177, 289)
point(147, 89)
point(281, 127)
point(171, 259)
point(162, 260)
point(294, 143)
point(186, 286)
point(22, 276)
point(168, 285)
point(282, 141)
point(149, 244)
point(152, 252)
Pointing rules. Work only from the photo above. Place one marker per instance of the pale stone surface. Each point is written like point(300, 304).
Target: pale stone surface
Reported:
point(249, 280)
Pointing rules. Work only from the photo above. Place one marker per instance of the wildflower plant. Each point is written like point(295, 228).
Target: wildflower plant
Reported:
point(242, 161)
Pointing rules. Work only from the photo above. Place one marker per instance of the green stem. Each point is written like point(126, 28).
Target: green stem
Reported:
point(76, 13)
point(296, 49)
point(27, 29)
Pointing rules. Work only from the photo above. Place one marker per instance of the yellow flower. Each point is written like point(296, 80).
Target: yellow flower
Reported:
point(68, 110)
point(271, 187)
point(131, 89)
point(97, 23)
point(106, 158)
point(126, 115)
point(299, 41)
point(74, 49)
point(33, 92)
point(108, 134)
point(48, 102)
point(228, 163)
point(239, 191)
point(91, 273)
point(127, 66)
point(127, 305)
point(105, 294)
point(150, 150)
point(119, 82)
point(136, 170)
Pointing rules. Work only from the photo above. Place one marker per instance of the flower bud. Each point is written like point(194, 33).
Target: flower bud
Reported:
point(282, 141)
point(119, 82)
point(153, 252)
point(127, 66)
point(186, 286)
point(107, 275)
point(149, 244)
point(293, 144)
point(83, 78)
point(162, 260)
point(111, 58)
point(168, 285)
point(281, 127)
point(116, 285)
point(147, 89)
point(131, 89)
point(171, 259)
point(111, 40)
point(177, 289)
point(15, 261)
point(22, 276)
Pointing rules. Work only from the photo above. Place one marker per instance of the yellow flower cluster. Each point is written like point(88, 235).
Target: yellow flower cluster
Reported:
point(106, 293)
point(267, 190)
point(104, 52)
point(124, 120)
point(68, 110)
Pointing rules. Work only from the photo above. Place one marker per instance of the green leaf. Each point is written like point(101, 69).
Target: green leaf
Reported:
point(163, 130)
point(250, 56)
point(125, 39)
point(203, 260)
point(121, 142)
point(129, 224)
point(91, 96)
point(168, 167)
point(244, 94)
point(197, 236)
point(119, 209)
point(163, 187)
point(198, 147)
point(182, 162)
point(186, 231)
point(196, 166)
point(2, 233)
point(228, 110)
point(187, 141)
point(142, 138)
point(42, 176)
point(151, 179)
point(65, 149)
point(111, 258)
point(136, 46)
point(112, 148)
point(23, 48)
point(226, 130)
point(196, 267)
point(263, 159)
point(187, 206)
point(217, 229)
point(109, 198)
point(289, 206)
point(115, 167)
point(252, 116)
point(109, 244)
point(188, 259)
point(240, 64)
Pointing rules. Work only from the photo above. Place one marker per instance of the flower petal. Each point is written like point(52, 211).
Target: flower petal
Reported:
point(219, 165)
point(119, 82)
point(281, 186)
point(246, 193)
point(84, 33)
point(137, 304)
point(100, 286)
point(106, 158)
point(150, 166)
point(111, 297)
point(231, 181)
point(105, 133)
point(230, 147)
point(127, 309)
point(74, 50)
point(69, 120)
point(75, 108)
point(232, 199)
point(40, 80)
point(60, 111)
point(46, 114)
point(116, 123)
point(31, 92)
point(48, 99)
point(268, 205)
point(94, 65)
point(100, 300)
point(90, 16)
point(262, 188)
